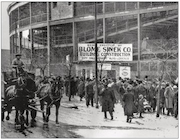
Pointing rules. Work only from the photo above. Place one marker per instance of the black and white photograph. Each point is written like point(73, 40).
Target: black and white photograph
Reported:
point(89, 70)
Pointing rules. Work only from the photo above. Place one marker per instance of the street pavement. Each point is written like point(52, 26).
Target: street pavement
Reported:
point(79, 121)
point(148, 127)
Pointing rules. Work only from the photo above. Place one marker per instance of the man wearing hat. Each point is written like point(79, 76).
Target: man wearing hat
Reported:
point(17, 66)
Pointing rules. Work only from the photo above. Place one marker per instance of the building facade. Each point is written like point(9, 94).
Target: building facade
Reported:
point(47, 34)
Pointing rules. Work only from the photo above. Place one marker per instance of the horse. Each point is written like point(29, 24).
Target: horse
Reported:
point(21, 95)
point(50, 93)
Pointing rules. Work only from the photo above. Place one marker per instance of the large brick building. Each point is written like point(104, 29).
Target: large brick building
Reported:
point(47, 32)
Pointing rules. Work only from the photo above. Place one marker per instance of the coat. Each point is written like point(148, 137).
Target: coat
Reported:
point(72, 87)
point(128, 99)
point(169, 94)
point(81, 89)
point(142, 90)
point(115, 89)
point(108, 99)
point(162, 97)
point(176, 104)
point(141, 105)
point(89, 91)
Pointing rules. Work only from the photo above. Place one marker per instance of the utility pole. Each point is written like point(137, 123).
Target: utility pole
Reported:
point(139, 42)
point(96, 51)
point(48, 41)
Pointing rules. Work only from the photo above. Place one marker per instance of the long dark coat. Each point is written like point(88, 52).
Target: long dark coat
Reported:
point(72, 87)
point(128, 100)
point(81, 89)
point(108, 100)
point(176, 104)
point(142, 90)
point(169, 94)
point(152, 96)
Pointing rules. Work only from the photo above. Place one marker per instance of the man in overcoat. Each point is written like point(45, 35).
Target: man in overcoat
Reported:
point(81, 89)
point(128, 99)
point(152, 96)
point(162, 98)
point(115, 89)
point(175, 101)
point(89, 92)
point(169, 94)
point(108, 100)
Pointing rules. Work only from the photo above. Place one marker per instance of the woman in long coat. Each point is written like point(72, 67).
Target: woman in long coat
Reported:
point(169, 94)
point(128, 99)
point(108, 100)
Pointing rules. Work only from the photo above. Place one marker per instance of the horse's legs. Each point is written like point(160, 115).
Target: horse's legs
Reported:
point(9, 109)
point(7, 117)
point(33, 116)
point(27, 117)
point(22, 119)
point(16, 118)
point(48, 112)
point(57, 104)
point(42, 108)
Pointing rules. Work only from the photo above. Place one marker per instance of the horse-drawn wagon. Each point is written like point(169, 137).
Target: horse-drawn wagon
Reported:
point(19, 95)
point(23, 93)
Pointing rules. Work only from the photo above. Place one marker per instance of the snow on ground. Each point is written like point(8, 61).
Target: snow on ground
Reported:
point(90, 123)
point(99, 133)
point(148, 127)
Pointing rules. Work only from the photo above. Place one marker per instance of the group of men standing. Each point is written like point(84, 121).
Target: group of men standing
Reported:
point(131, 94)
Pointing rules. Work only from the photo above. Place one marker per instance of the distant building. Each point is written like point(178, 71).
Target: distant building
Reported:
point(47, 32)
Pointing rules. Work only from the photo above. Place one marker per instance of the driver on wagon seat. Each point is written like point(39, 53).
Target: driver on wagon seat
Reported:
point(17, 66)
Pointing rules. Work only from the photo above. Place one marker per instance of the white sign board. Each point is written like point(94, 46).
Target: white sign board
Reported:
point(125, 72)
point(106, 52)
point(104, 66)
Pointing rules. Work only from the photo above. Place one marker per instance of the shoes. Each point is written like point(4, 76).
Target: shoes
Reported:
point(111, 118)
point(130, 120)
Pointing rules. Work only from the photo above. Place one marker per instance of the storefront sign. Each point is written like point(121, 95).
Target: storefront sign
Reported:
point(125, 72)
point(104, 66)
point(106, 52)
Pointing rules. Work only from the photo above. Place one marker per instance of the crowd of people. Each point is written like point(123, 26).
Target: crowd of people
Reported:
point(135, 96)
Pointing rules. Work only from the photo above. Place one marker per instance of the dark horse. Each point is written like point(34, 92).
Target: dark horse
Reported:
point(51, 94)
point(21, 95)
